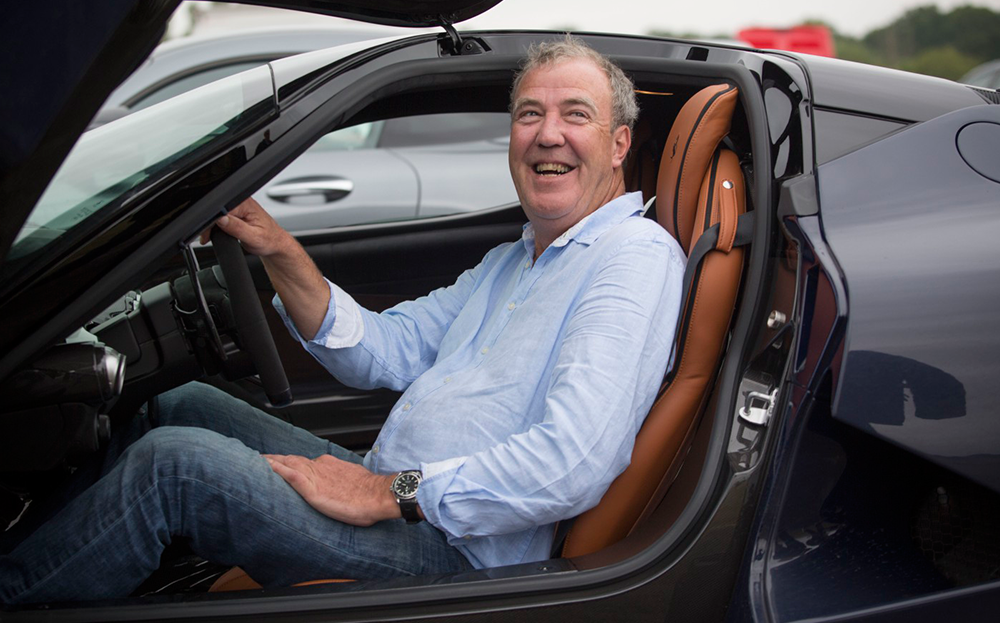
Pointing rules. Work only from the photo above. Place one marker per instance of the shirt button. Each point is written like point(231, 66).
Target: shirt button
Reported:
point(406, 407)
point(528, 265)
point(447, 379)
point(467, 537)
point(485, 350)
point(510, 306)
point(375, 449)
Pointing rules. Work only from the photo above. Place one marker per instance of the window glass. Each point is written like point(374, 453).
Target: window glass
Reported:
point(193, 81)
point(393, 170)
point(361, 136)
point(839, 133)
point(986, 76)
point(444, 128)
point(112, 162)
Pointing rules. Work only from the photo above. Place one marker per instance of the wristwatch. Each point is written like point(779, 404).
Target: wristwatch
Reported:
point(404, 487)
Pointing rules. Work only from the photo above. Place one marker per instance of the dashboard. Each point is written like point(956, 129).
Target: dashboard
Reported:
point(64, 404)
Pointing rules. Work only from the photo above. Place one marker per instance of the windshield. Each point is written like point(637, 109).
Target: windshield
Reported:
point(116, 161)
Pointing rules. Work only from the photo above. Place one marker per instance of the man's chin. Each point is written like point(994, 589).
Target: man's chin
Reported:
point(553, 205)
point(550, 209)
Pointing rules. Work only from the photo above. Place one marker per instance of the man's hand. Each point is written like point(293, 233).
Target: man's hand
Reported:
point(344, 491)
point(254, 228)
point(294, 276)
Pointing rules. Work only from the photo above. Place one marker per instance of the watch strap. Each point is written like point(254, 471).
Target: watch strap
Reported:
point(408, 508)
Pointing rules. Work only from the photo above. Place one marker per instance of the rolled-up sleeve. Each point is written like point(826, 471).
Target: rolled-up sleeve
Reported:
point(390, 349)
point(342, 327)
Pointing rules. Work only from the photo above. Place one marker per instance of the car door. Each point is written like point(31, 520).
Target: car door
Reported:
point(456, 157)
point(343, 179)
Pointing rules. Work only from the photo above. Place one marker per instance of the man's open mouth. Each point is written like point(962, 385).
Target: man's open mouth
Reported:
point(552, 168)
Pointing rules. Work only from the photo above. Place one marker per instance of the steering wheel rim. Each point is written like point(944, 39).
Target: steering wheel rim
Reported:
point(249, 316)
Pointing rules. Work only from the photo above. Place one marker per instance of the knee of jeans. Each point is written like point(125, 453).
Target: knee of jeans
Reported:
point(176, 450)
point(187, 405)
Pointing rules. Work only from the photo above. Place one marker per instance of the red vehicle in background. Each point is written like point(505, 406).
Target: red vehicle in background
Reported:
point(806, 39)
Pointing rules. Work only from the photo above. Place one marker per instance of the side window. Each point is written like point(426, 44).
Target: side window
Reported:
point(987, 77)
point(841, 133)
point(397, 169)
point(361, 136)
point(189, 82)
point(443, 129)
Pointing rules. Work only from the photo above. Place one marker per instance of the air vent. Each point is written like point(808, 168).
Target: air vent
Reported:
point(991, 96)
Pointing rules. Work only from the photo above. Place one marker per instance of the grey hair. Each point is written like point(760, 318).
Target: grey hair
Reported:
point(624, 105)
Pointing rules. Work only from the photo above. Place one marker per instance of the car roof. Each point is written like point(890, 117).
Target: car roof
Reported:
point(180, 57)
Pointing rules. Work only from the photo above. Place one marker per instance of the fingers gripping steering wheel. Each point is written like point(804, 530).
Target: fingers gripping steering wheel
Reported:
point(249, 316)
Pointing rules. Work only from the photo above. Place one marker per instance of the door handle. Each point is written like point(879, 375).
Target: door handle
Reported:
point(329, 188)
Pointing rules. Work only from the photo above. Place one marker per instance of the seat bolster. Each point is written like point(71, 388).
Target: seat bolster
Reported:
point(701, 124)
point(721, 200)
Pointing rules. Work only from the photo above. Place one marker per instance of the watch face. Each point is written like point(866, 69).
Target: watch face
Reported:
point(405, 485)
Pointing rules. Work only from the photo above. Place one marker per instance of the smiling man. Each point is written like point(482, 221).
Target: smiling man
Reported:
point(568, 141)
point(524, 385)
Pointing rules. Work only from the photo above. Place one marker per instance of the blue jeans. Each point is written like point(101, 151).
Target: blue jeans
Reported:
point(199, 474)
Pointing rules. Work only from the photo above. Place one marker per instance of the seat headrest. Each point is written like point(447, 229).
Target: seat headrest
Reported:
point(699, 127)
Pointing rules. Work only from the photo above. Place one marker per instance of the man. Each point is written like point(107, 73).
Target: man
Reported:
point(524, 385)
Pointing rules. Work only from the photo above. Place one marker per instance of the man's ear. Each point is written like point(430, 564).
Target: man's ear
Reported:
point(622, 140)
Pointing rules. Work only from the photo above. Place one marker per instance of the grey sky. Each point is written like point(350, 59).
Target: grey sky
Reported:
point(703, 17)
point(707, 17)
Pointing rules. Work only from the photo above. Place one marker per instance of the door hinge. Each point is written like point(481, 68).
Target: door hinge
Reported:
point(455, 45)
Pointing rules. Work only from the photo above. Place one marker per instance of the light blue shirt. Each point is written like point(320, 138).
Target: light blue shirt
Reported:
point(524, 383)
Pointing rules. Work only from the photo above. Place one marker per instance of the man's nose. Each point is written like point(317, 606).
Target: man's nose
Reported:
point(550, 134)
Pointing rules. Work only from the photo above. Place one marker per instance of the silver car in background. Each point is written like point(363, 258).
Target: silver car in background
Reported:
point(399, 169)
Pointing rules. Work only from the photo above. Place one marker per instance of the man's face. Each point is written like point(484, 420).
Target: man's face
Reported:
point(564, 155)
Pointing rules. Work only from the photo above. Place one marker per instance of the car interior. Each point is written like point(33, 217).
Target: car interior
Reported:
point(696, 157)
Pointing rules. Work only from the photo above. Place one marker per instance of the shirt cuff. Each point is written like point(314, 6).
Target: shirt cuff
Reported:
point(342, 326)
point(436, 477)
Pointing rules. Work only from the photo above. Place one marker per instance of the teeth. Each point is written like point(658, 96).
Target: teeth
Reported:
point(551, 167)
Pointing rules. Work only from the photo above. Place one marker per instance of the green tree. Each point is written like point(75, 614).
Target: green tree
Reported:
point(917, 30)
point(944, 62)
point(852, 49)
point(975, 31)
point(969, 30)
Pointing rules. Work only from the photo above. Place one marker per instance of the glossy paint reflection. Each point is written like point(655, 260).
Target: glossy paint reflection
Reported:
point(915, 231)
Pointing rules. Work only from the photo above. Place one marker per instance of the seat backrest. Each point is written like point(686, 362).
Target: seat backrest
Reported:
point(698, 185)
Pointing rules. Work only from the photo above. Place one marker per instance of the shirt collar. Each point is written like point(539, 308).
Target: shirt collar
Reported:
point(589, 228)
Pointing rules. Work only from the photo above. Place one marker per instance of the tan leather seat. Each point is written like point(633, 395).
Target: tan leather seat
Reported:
point(236, 579)
point(699, 185)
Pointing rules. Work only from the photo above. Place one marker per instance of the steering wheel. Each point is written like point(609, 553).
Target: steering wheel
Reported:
point(249, 316)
